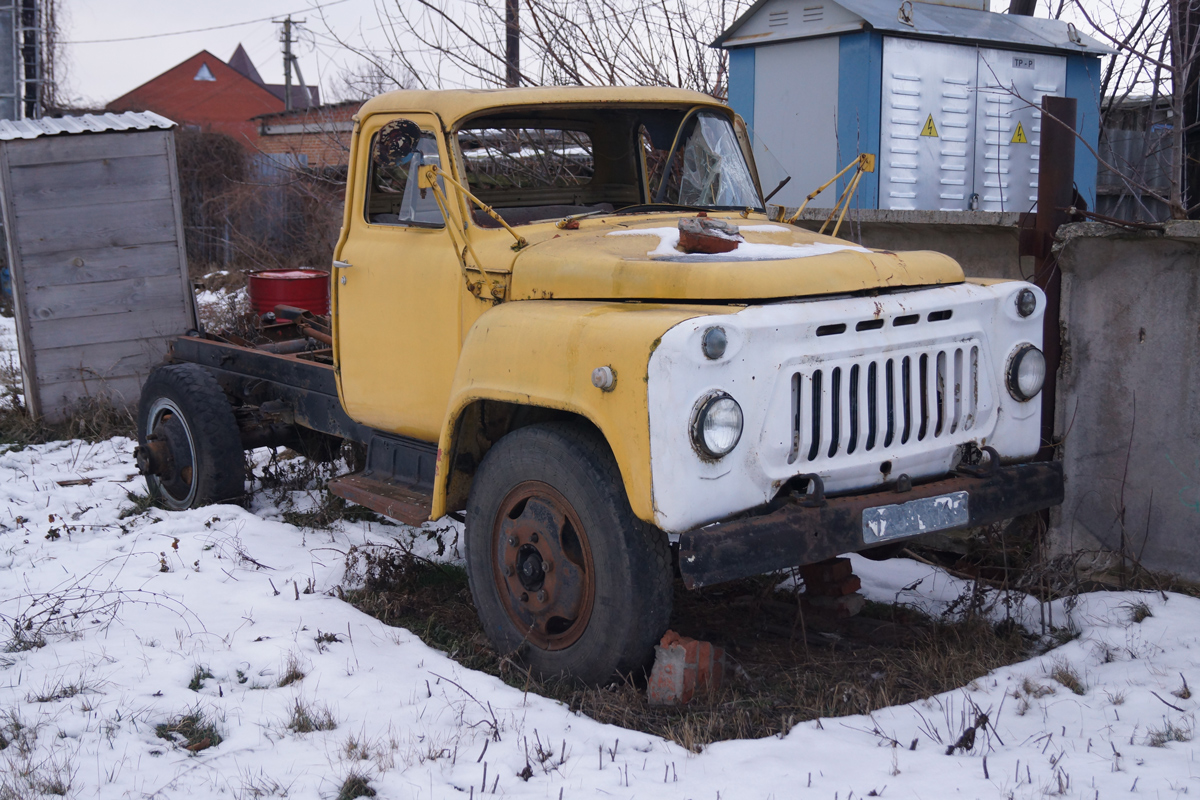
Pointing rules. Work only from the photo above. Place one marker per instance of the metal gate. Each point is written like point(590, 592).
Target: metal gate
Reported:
point(959, 126)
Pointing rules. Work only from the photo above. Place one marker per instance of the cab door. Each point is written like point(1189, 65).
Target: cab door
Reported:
point(398, 285)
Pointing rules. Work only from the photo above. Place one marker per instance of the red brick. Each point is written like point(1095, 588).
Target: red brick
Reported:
point(847, 586)
point(831, 570)
point(683, 667)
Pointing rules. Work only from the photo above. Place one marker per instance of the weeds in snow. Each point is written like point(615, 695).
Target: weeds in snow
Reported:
point(22, 778)
point(1138, 611)
point(255, 787)
point(192, 731)
point(1169, 732)
point(60, 689)
point(1066, 675)
point(1027, 692)
point(355, 785)
point(309, 717)
point(200, 674)
point(141, 503)
point(293, 670)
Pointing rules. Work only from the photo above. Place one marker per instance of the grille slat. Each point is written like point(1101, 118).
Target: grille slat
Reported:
point(900, 401)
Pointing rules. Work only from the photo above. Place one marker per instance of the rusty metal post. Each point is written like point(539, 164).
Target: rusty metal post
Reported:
point(1056, 184)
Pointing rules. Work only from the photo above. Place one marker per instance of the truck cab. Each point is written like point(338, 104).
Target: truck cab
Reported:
point(565, 316)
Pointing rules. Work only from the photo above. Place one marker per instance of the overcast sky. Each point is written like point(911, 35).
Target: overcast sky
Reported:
point(100, 72)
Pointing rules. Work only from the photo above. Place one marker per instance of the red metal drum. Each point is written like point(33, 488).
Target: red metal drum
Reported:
point(302, 288)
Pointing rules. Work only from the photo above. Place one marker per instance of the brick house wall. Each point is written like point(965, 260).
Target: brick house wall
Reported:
point(321, 134)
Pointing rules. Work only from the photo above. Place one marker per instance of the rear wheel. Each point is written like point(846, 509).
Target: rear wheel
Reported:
point(561, 571)
point(189, 447)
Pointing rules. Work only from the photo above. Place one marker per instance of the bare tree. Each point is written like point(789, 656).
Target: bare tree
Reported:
point(583, 42)
point(369, 78)
point(1157, 63)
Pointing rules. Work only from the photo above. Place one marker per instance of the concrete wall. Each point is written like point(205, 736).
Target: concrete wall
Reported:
point(984, 243)
point(1129, 394)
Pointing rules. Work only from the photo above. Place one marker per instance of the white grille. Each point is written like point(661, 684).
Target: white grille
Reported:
point(894, 401)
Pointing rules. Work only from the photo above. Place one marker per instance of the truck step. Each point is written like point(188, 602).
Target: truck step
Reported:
point(408, 504)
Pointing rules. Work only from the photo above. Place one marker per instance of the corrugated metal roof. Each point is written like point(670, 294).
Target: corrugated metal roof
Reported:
point(84, 123)
point(930, 20)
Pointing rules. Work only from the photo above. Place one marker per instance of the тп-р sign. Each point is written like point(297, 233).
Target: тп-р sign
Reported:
point(1022, 62)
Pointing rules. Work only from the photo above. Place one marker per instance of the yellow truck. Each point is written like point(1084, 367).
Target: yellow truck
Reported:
point(564, 317)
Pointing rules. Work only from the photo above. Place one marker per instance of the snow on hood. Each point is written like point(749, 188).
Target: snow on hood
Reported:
point(668, 239)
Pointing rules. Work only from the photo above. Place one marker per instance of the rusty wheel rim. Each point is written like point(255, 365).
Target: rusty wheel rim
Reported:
point(177, 480)
point(542, 565)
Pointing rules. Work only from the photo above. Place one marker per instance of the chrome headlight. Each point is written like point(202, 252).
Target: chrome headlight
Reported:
point(1026, 372)
point(717, 425)
point(1026, 302)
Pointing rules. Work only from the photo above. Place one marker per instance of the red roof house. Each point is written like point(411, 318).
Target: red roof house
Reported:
point(207, 94)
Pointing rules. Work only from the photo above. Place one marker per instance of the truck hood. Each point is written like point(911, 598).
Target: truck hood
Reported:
point(637, 259)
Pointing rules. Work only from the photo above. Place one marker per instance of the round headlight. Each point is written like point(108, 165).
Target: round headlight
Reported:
point(1026, 372)
point(717, 425)
point(1026, 302)
point(713, 343)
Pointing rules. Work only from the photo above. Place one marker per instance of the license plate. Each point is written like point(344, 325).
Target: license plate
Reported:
point(926, 515)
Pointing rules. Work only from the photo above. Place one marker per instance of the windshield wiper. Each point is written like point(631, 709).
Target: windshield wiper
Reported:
point(775, 191)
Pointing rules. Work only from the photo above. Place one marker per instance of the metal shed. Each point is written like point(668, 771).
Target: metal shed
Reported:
point(945, 94)
point(95, 244)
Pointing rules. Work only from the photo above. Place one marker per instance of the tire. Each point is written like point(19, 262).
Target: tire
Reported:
point(562, 573)
point(189, 447)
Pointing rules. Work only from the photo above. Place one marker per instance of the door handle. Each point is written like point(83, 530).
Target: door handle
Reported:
point(342, 265)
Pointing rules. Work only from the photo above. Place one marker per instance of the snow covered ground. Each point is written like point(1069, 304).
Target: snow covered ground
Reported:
point(143, 606)
point(147, 601)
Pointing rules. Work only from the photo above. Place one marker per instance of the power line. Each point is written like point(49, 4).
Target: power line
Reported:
point(203, 30)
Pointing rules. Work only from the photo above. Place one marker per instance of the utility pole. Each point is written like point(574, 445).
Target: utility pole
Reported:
point(289, 60)
point(513, 43)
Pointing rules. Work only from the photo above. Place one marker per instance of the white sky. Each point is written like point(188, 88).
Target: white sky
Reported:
point(98, 73)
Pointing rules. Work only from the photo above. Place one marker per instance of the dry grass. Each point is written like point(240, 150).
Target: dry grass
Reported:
point(309, 717)
point(193, 731)
point(781, 672)
point(1068, 676)
point(54, 690)
point(93, 420)
point(356, 785)
point(1138, 611)
point(293, 671)
point(1169, 732)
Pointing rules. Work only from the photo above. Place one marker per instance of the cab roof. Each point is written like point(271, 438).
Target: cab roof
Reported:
point(454, 104)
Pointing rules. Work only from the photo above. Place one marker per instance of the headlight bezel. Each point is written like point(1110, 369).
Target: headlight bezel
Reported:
point(1012, 377)
point(701, 413)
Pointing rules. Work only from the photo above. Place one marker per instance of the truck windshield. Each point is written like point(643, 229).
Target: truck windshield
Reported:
point(551, 162)
point(706, 168)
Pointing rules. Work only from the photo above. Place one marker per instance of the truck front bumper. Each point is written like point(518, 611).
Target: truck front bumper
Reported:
point(799, 533)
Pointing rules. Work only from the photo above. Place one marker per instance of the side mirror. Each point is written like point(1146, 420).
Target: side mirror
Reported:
point(396, 142)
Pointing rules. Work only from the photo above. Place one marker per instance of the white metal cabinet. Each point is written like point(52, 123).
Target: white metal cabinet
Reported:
point(960, 127)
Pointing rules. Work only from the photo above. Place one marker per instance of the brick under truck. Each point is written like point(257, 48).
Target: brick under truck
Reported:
point(564, 316)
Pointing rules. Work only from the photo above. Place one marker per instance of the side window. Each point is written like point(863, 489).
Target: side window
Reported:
point(393, 196)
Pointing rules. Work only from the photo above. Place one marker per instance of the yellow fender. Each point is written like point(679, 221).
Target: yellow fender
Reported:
point(541, 354)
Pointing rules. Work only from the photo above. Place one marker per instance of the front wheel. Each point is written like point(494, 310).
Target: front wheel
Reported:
point(189, 447)
point(562, 573)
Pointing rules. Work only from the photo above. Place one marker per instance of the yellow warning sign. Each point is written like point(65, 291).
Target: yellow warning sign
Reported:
point(1019, 136)
point(930, 129)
